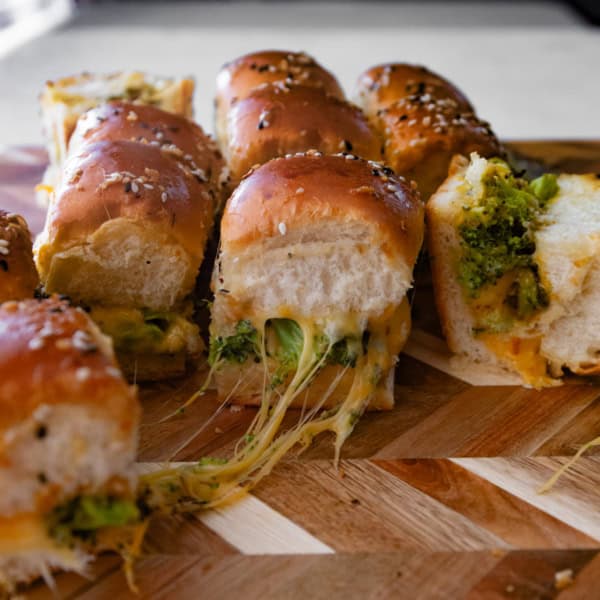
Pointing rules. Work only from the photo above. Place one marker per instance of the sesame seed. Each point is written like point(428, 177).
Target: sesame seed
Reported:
point(300, 190)
point(35, 343)
point(82, 341)
point(135, 188)
point(83, 373)
point(132, 116)
point(113, 372)
point(163, 197)
point(282, 228)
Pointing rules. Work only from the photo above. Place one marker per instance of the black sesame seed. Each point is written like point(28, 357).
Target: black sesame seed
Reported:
point(355, 501)
point(402, 118)
point(387, 171)
point(41, 432)
point(263, 68)
point(224, 291)
point(57, 309)
point(261, 125)
point(127, 187)
point(348, 145)
point(4, 265)
point(41, 477)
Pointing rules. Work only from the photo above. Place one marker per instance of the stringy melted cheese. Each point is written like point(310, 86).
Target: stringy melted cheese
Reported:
point(209, 485)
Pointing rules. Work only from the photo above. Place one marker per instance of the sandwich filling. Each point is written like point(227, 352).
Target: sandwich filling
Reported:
point(88, 523)
point(496, 263)
point(144, 331)
point(292, 352)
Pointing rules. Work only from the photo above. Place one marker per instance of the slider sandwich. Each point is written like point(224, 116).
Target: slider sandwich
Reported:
point(68, 432)
point(516, 269)
point(310, 310)
point(423, 120)
point(238, 78)
point(273, 103)
point(279, 119)
point(63, 101)
point(18, 276)
point(126, 232)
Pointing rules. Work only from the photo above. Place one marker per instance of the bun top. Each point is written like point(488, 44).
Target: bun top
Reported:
point(151, 185)
point(278, 119)
point(291, 193)
point(52, 353)
point(238, 78)
point(18, 276)
point(382, 85)
point(146, 124)
point(418, 127)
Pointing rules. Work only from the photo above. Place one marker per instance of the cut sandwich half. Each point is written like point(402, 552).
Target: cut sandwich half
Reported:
point(515, 266)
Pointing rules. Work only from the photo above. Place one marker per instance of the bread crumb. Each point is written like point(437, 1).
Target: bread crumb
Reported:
point(563, 579)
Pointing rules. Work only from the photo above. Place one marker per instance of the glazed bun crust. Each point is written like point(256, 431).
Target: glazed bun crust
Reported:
point(289, 194)
point(123, 121)
point(51, 353)
point(114, 194)
point(239, 77)
point(422, 135)
point(282, 119)
point(18, 276)
point(384, 84)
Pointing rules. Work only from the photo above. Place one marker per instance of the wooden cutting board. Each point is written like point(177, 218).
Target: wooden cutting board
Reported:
point(435, 499)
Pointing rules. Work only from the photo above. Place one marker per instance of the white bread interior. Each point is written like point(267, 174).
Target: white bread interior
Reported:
point(568, 255)
point(80, 450)
point(443, 210)
point(568, 258)
point(318, 271)
point(159, 272)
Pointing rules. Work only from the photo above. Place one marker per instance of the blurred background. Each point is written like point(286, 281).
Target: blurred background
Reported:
point(531, 68)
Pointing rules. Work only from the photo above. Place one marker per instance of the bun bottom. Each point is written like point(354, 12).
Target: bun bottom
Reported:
point(26, 567)
point(243, 385)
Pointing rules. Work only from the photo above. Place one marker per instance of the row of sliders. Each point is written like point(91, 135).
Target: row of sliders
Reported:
point(317, 243)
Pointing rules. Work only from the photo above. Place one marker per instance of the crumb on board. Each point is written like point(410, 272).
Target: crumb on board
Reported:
point(563, 579)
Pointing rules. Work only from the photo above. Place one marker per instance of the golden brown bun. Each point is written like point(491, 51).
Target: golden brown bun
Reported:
point(241, 76)
point(382, 85)
point(300, 190)
point(146, 124)
point(421, 137)
point(112, 192)
point(18, 277)
point(424, 121)
point(282, 119)
point(52, 353)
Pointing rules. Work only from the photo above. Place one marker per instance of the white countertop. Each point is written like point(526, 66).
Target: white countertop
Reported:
point(529, 81)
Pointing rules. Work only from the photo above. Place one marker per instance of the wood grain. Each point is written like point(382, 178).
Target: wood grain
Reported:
point(435, 499)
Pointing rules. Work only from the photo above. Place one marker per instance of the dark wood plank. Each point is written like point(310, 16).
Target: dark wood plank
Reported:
point(515, 521)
